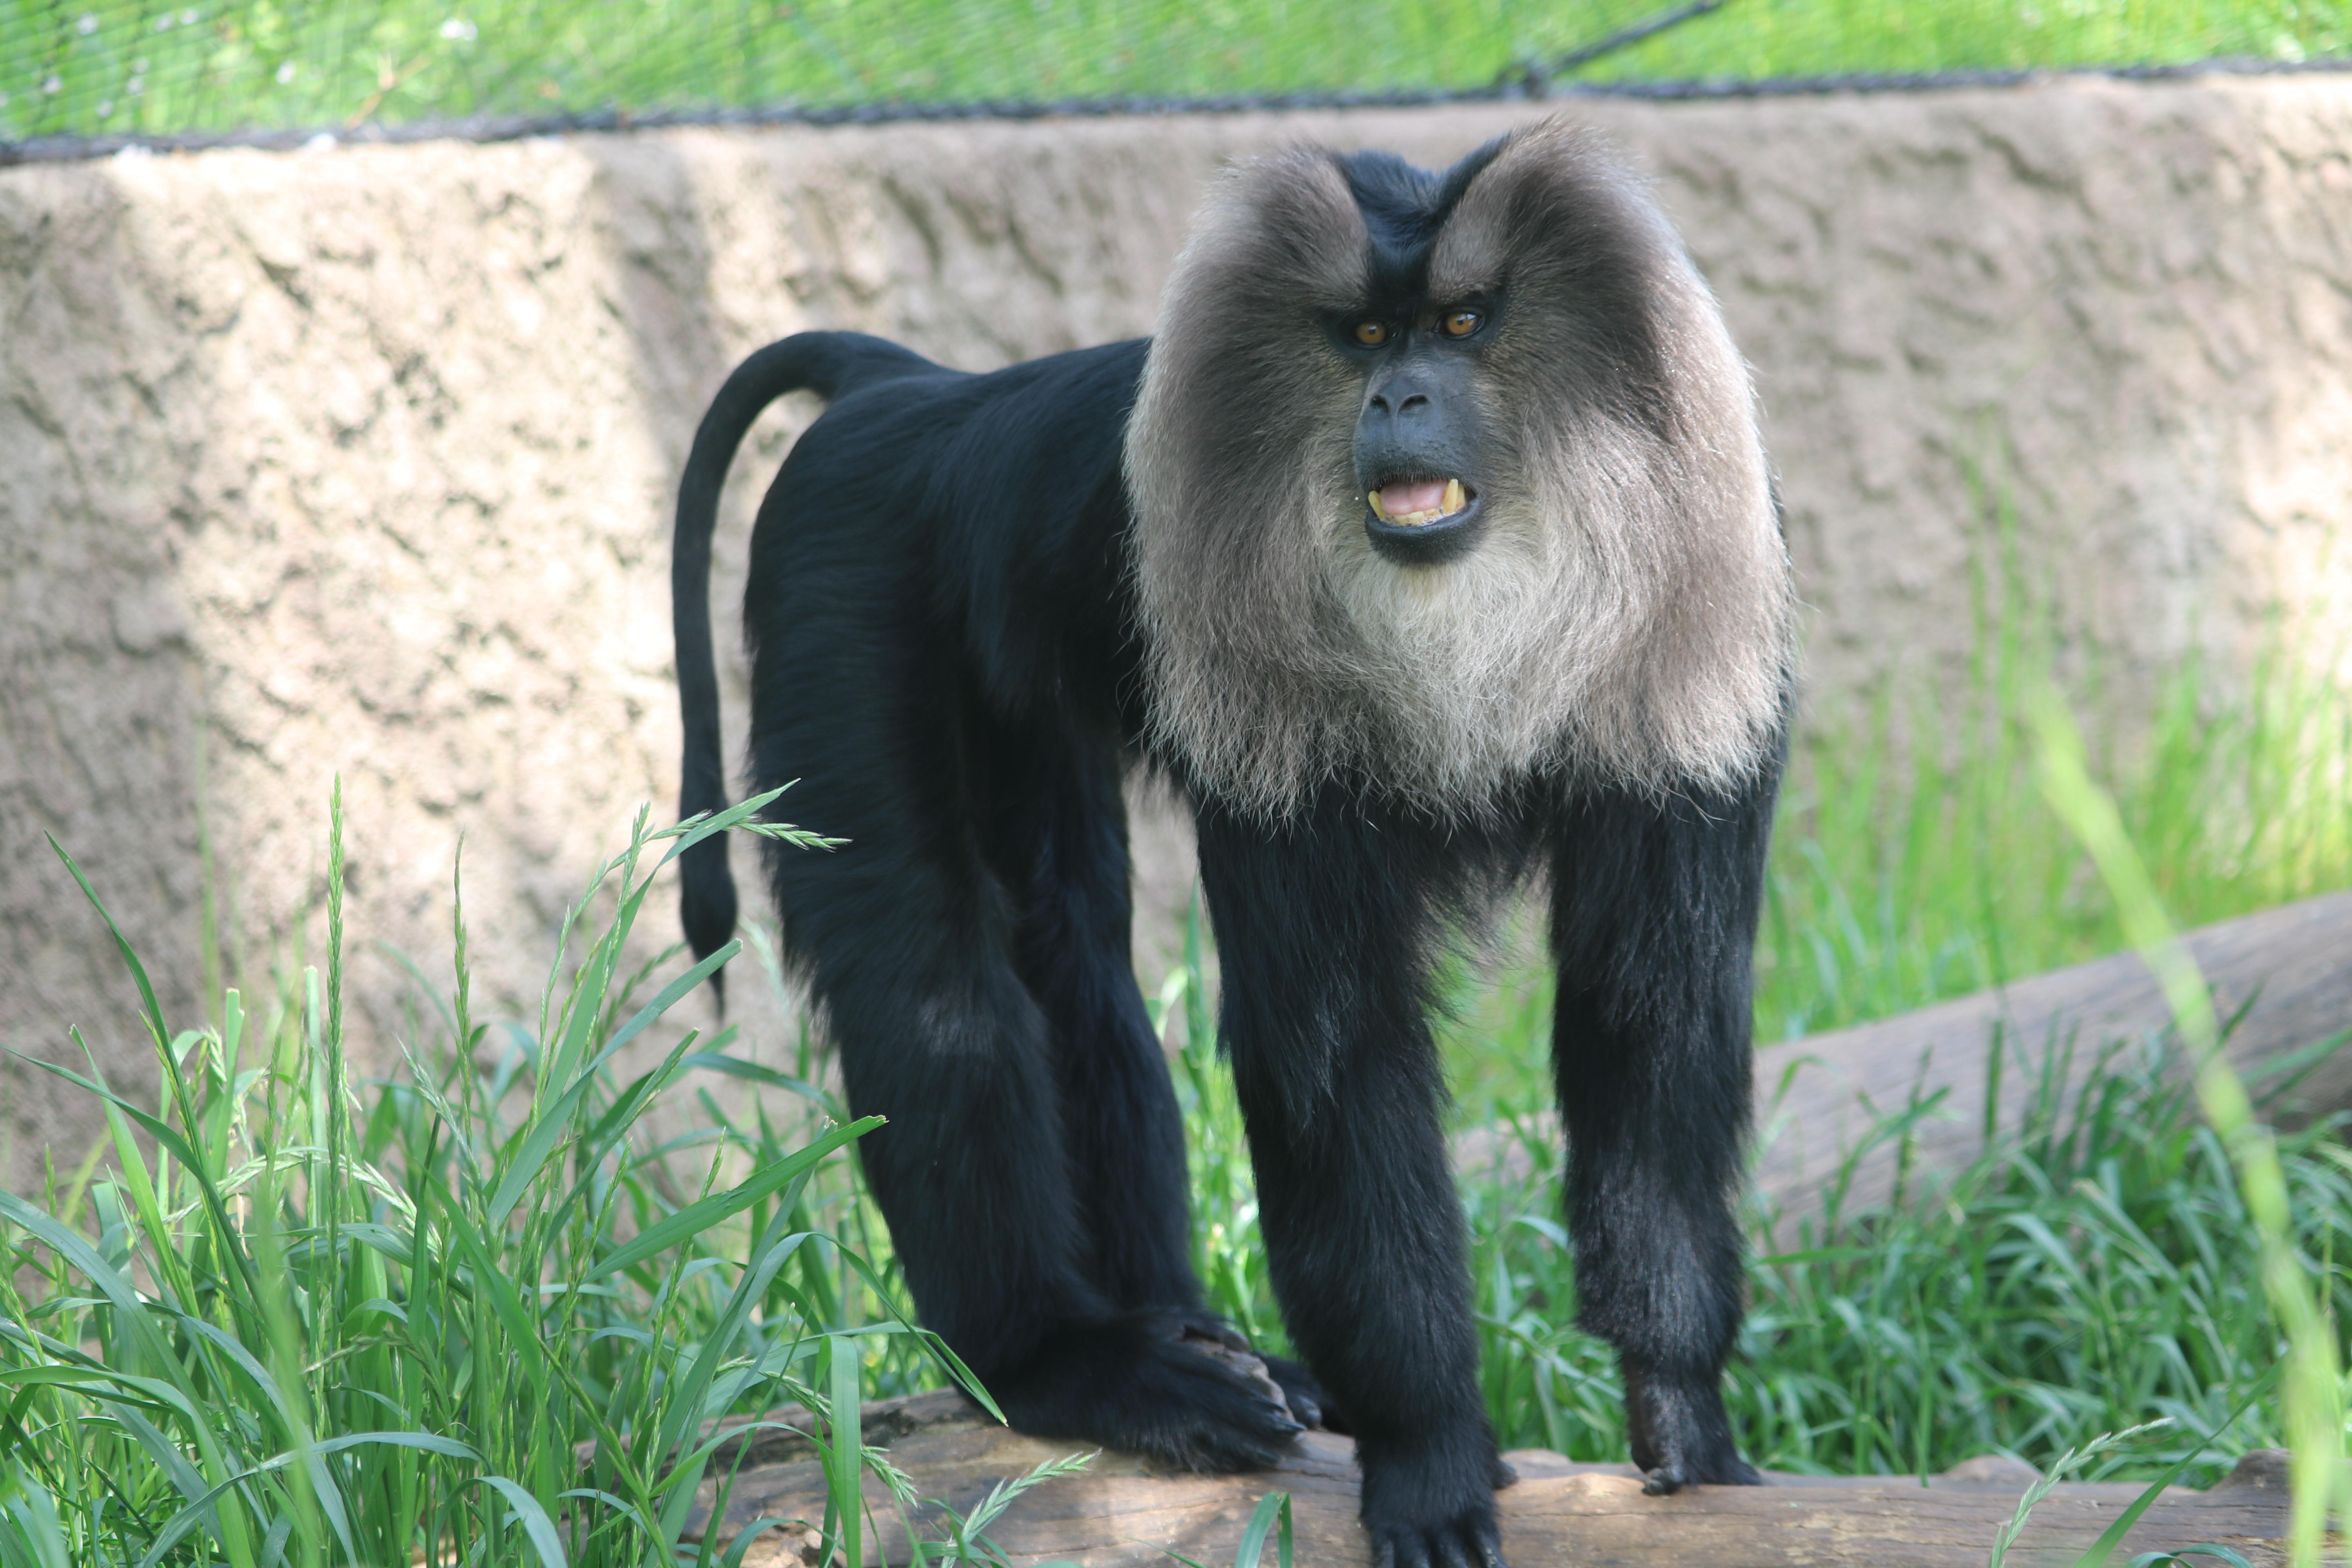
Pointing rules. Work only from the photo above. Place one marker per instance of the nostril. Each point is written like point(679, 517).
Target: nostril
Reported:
point(1415, 401)
point(1380, 402)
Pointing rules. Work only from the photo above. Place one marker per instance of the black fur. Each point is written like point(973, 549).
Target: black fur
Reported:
point(945, 653)
point(826, 365)
point(1403, 208)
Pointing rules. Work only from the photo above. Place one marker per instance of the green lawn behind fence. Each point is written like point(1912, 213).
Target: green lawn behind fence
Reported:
point(121, 66)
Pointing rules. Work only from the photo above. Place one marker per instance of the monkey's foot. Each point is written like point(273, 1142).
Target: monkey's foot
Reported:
point(1144, 1383)
point(1680, 1436)
point(1281, 1377)
point(1469, 1541)
point(1422, 1514)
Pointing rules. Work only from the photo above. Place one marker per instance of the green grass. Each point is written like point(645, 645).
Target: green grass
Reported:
point(90, 67)
point(299, 1320)
point(1904, 874)
point(1915, 857)
point(2097, 1272)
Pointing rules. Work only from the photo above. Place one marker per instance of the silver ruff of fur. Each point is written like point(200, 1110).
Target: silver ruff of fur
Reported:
point(1627, 615)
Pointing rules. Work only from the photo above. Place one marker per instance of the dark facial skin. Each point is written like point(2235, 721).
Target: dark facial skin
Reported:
point(1419, 418)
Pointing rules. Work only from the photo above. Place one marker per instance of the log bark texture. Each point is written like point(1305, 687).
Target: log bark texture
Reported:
point(1122, 1514)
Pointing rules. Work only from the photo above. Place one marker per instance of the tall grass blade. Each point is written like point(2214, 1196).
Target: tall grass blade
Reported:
point(538, 1528)
point(2313, 1387)
point(846, 1453)
point(701, 1214)
point(153, 1013)
point(2103, 1549)
point(2066, 1464)
point(553, 1122)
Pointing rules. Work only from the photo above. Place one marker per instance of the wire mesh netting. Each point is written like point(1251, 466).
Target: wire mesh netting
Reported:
point(112, 69)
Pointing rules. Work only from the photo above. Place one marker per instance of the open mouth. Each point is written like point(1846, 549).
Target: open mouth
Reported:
point(1422, 521)
point(1417, 503)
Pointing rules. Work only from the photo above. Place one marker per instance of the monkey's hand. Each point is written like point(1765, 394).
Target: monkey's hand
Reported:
point(1135, 1382)
point(1434, 1508)
point(1681, 1435)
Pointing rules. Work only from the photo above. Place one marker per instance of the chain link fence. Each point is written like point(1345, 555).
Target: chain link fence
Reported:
point(92, 74)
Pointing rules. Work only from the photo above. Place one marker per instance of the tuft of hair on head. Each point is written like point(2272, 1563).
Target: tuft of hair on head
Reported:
point(1627, 615)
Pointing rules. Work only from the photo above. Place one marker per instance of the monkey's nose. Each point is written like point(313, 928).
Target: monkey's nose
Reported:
point(1400, 401)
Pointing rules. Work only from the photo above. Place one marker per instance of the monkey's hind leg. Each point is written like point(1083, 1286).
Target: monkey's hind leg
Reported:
point(1058, 831)
point(909, 939)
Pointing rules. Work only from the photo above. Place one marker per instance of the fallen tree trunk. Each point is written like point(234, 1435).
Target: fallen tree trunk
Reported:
point(2284, 975)
point(1119, 1512)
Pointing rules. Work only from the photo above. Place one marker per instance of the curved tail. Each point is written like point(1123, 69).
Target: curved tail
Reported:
point(829, 364)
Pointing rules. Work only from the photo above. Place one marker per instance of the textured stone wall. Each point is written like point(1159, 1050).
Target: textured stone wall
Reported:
point(361, 459)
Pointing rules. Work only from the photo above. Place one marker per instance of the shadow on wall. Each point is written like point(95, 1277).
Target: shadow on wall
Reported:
point(101, 694)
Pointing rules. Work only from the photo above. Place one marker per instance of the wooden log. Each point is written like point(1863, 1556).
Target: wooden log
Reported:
point(2287, 969)
point(1122, 1512)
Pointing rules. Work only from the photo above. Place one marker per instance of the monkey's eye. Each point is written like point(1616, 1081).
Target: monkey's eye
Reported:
point(1369, 332)
point(1461, 324)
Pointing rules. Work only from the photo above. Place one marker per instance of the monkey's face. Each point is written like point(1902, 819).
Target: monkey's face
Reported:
point(1439, 479)
point(1420, 436)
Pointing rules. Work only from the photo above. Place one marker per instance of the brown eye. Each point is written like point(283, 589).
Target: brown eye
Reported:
point(1461, 324)
point(1371, 334)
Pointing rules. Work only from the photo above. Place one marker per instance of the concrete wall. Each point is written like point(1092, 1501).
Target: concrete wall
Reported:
point(361, 459)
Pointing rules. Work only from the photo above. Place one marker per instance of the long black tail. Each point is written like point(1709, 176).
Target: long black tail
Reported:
point(829, 364)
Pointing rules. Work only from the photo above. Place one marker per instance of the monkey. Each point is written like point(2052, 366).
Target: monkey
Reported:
point(1428, 552)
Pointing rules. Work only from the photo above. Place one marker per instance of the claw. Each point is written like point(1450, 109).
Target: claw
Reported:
point(1464, 1542)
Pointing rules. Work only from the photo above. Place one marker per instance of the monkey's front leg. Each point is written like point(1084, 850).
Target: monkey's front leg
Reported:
point(1364, 1234)
point(1321, 945)
point(1653, 916)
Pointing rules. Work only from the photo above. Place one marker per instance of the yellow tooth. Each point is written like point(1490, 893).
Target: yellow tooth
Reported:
point(1453, 496)
point(1374, 497)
